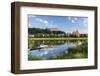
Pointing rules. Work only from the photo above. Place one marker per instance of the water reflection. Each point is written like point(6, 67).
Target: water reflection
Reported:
point(48, 48)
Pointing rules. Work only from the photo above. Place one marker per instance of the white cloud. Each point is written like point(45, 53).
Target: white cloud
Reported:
point(42, 21)
point(72, 21)
point(75, 18)
point(29, 25)
point(38, 19)
point(46, 22)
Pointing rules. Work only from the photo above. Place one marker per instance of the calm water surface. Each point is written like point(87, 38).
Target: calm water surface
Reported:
point(46, 49)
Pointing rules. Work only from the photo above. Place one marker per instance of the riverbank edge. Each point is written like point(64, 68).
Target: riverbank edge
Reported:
point(85, 38)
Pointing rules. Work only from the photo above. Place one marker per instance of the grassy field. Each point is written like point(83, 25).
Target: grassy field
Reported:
point(58, 38)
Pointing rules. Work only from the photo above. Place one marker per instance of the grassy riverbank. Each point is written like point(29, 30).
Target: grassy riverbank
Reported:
point(83, 38)
point(30, 57)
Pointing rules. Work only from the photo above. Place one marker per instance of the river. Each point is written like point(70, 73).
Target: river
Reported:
point(46, 48)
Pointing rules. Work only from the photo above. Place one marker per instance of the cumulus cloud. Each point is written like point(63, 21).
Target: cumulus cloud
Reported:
point(75, 18)
point(73, 21)
point(29, 25)
point(42, 21)
point(46, 22)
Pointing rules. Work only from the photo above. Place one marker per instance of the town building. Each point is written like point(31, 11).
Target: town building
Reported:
point(76, 33)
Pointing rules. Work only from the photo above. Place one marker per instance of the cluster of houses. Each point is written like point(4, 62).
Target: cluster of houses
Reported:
point(74, 33)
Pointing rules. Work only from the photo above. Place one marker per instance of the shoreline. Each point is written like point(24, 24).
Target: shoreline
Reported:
point(58, 38)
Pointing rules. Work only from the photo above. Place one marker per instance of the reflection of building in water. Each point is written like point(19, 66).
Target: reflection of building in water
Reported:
point(77, 42)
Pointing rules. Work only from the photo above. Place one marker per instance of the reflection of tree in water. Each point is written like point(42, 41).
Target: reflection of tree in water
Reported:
point(56, 42)
point(49, 42)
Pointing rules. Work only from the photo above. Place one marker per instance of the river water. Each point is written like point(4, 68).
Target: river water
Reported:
point(47, 49)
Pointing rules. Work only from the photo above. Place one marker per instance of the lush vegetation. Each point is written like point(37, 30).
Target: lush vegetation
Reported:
point(47, 33)
point(44, 33)
point(80, 51)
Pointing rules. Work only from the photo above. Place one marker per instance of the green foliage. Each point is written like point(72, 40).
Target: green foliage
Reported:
point(30, 44)
point(44, 33)
point(35, 58)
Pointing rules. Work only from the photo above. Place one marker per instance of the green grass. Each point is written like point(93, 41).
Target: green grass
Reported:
point(35, 58)
point(84, 38)
point(30, 57)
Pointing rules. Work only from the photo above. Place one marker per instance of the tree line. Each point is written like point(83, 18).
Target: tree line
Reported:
point(47, 33)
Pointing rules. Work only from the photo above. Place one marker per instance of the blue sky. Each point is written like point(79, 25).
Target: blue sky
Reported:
point(63, 23)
